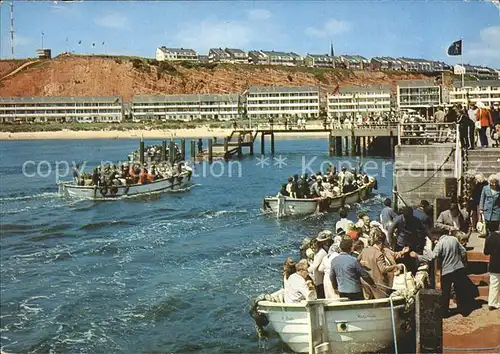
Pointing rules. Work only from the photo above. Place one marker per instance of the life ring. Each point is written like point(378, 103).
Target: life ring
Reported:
point(104, 191)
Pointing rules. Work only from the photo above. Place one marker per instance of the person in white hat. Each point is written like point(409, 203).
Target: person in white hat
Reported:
point(319, 253)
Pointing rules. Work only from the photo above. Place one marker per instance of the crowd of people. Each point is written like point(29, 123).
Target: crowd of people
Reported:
point(153, 154)
point(360, 260)
point(125, 174)
point(326, 185)
point(477, 119)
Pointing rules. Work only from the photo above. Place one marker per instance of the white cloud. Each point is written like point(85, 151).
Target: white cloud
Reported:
point(258, 15)
point(487, 50)
point(112, 20)
point(203, 35)
point(330, 28)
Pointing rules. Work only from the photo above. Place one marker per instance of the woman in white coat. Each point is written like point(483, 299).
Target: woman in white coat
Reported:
point(325, 267)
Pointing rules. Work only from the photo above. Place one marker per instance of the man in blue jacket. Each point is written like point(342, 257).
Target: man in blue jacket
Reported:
point(489, 205)
point(346, 273)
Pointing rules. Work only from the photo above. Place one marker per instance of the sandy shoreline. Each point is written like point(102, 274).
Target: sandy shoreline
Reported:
point(136, 134)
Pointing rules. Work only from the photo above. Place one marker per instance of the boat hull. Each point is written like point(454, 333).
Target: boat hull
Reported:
point(102, 193)
point(286, 206)
point(290, 206)
point(351, 326)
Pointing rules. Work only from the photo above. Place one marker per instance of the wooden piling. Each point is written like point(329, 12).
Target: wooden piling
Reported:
point(428, 322)
point(358, 145)
point(262, 144)
point(226, 148)
point(346, 145)
point(338, 145)
point(164, 150)
point(183, 149)
point(391, 143)
point(210, 151)
point(193, 149)
point(251, 148)
point(353, 143)
point(331, 144)
point(272, 143)
point(141, 151)
point(171, 151)
point(363, 144)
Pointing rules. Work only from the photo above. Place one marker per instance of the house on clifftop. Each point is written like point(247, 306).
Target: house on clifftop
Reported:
point(172, 54)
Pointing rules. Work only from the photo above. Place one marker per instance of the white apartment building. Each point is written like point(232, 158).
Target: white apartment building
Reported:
point(61, 109)
point(413, 94)
point(486, 91)
point(185, 107)
point(264, 102)
point(172, 54)
point(350, 100)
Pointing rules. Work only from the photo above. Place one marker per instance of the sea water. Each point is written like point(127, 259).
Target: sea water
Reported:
point(169, 273)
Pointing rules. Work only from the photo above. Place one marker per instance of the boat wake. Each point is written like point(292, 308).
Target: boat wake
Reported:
point(29, 197)
point(213, 214)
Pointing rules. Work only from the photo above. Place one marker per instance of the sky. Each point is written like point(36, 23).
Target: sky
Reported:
point(409, 28)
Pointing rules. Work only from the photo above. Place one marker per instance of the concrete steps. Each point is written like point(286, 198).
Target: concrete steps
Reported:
point(485, 161)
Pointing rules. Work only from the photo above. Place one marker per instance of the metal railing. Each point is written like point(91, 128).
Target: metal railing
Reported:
point(426, 133)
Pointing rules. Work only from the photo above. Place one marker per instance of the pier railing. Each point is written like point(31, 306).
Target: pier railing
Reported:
point(426, 133)
point(334, 125)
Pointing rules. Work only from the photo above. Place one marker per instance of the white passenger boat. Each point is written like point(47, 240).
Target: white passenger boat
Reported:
point(338, 325)
point(174, 183)
point(287, 206)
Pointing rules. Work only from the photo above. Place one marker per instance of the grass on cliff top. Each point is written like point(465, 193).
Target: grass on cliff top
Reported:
point(124, 126)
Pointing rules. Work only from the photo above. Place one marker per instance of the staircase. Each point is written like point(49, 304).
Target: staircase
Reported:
point(485, 161)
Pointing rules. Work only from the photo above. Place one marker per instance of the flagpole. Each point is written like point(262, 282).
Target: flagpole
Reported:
point(462, 60)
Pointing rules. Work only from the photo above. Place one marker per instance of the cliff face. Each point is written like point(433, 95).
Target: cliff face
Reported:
point(102, 76)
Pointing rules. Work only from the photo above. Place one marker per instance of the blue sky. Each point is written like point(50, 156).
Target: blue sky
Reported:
point(369, 28)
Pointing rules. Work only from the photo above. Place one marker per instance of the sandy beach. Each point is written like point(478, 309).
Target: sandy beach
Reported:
point(201, 132)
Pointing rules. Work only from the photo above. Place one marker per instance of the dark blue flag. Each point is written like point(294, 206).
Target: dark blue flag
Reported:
point(455, 48)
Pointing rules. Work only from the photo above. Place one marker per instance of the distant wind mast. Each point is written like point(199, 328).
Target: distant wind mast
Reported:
point(332, 54)
point(12, 29)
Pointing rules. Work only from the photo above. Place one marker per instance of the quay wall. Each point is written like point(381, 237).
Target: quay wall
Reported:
point(422, 172)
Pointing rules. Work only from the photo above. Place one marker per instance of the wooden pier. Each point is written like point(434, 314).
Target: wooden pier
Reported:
point(377, 140)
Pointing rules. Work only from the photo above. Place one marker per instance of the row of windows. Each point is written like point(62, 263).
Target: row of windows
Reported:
point(57, 105)
point(361, 95)
point(256, 103)
point(348, 101)
point(369, 109)
point(361, 106)
point(284, 94)
point(472, 97)
point(194, 109)
point(58, 111)
point(164, 104)
point(272, 109)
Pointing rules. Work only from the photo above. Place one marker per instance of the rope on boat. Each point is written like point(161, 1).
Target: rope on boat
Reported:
point(394, 337)
point(433, 175)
